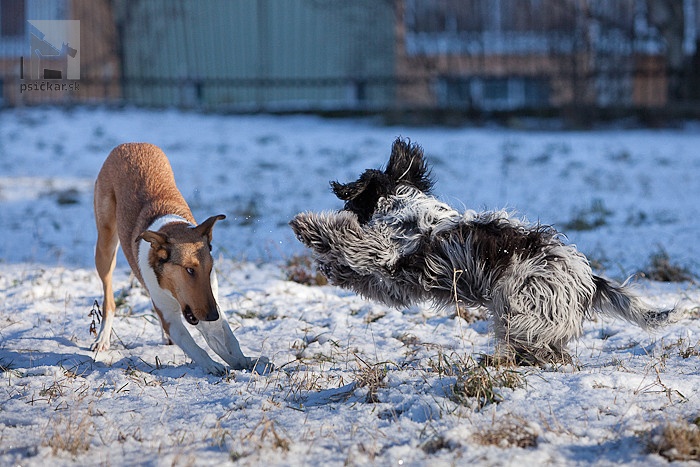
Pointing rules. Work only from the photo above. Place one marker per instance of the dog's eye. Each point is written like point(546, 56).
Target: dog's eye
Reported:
point(190, 271)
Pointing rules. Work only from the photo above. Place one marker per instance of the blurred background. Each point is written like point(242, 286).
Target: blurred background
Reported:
point(579, 59)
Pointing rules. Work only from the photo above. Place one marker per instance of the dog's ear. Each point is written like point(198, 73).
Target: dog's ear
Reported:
point(350, 191)
point(407, 166)
point(362, 195)
point(204, 229)
point(158, 242)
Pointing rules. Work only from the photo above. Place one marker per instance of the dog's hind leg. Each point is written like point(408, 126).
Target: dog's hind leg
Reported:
point(536, 314)
point(511, 350)
point(527, 356)
point(105, 261)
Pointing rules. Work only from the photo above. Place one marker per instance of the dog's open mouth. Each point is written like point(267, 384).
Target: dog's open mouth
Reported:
point(189, 316)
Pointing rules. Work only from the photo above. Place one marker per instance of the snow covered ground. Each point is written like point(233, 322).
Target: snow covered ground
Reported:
point(358, 383)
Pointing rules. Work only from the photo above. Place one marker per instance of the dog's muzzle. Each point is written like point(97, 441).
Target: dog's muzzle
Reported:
point(187, 312)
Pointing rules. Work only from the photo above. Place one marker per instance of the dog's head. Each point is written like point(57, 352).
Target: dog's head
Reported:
point(406, 167)
point(180, 256)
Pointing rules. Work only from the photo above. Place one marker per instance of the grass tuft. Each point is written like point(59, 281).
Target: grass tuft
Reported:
point(6, 366)
point(373, 377)
point(247, 214)
point(71, 433)
point(301, 269)
point(478, 386)
point(435, 444)
point(679, 441)
point(510, 431)
point(262, 436)
point(662, 270)
point(596, 215)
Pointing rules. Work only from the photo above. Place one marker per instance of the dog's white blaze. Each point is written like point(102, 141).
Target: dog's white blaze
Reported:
point(218, 333)
point(214, 285)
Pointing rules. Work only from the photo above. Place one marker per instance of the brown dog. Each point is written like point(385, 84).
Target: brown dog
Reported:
point(138, 205)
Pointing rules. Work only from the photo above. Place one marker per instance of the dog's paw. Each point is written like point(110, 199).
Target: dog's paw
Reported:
point(100, 345)
point(261, 365)
point(216, 369)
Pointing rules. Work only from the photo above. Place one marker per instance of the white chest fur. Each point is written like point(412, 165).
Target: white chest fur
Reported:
point(161, 297)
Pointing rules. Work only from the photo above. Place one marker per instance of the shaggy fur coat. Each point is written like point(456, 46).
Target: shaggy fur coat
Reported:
point(396, 243)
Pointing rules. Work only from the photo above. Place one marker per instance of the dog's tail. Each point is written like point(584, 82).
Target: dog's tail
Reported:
point(618, 301)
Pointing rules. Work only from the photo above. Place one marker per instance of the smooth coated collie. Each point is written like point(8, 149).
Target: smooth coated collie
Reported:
point(138, 205)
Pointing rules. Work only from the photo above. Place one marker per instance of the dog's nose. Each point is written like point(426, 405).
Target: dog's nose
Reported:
point(212, 314)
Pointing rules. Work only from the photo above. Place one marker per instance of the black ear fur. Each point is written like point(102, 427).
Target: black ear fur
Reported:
point(407, 166)
point(351, 190)
point(362, 195)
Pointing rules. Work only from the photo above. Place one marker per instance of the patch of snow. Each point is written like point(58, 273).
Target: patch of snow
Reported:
point(357, 382)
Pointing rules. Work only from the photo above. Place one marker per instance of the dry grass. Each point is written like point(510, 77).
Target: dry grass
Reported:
point(681, 347)
point(70, 432)
point(679, 441)
point(9, 368)
point(298, 382)
point(96, 317)
point(506, 432)
point(509, 431)
point(301, 269)
point(690, 351)
point(435, 444)
point(373, 377)
point(478, 386)
point(589, 218)
point(262, 436)
point(661, 269)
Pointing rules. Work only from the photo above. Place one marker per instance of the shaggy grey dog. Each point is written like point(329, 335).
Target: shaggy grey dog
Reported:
point(395, 243)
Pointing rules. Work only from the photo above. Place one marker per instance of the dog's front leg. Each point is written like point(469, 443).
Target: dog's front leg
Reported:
point(102, 341)
point(338, 239)
point(220, 338)
point(180, 336)
point(105, 261)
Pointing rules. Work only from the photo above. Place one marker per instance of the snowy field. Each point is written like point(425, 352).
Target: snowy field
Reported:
point(358, 383)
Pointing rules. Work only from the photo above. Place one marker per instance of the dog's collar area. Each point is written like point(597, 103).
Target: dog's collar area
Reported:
point(157, 224)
